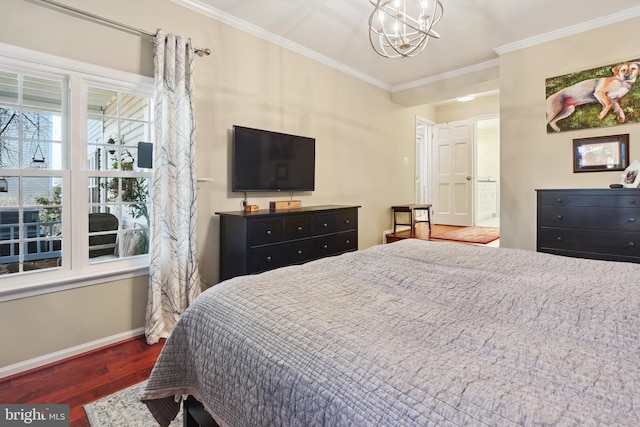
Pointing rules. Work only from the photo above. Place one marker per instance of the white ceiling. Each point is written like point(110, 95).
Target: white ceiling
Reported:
point(335, 32)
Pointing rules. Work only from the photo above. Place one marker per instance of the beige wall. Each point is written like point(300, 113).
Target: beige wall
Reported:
point(480, 107)
point(39, 325)
point(362, 138)
point(530, 157)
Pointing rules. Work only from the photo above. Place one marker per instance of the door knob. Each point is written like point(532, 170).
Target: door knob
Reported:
point(468, 178)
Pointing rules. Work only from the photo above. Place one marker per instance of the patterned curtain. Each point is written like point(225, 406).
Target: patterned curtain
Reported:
point(174, 281)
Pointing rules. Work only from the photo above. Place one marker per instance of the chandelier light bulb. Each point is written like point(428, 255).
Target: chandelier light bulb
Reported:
point(403, 27)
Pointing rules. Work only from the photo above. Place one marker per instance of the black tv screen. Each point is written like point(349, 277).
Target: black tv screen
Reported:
point(272, 161)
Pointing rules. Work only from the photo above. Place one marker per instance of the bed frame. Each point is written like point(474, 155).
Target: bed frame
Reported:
point(194, 414)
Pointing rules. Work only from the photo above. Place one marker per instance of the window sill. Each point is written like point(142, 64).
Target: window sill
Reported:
point(68, 282)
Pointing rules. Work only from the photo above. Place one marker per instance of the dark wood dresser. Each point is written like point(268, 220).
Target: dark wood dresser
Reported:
point(252, 242)
point(590, 223)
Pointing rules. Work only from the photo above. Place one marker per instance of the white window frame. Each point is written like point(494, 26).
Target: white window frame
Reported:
point(76, 269)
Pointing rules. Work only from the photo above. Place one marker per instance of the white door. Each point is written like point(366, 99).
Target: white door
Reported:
point(452, 173)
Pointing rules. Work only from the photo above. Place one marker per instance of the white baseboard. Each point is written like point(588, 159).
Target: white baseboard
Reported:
point(36, 362)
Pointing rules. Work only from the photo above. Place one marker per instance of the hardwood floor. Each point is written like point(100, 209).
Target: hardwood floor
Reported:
point(84, 378)
point(421, 232)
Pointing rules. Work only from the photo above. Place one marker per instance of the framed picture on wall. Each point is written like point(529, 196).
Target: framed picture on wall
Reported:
point(602, 153)
point(631, 176)
point(578, 101)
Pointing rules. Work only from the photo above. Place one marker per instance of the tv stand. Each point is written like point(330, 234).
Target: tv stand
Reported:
point(253, 242)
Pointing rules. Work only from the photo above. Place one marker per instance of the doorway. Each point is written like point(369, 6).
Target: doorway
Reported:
point(487, 172)
point(485, 147)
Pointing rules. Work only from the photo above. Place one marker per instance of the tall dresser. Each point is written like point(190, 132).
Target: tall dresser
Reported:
point(590, 223)
point(252, 242)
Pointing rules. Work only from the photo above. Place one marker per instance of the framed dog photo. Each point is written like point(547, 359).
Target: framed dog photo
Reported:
point(599, 97)
point(602, 153)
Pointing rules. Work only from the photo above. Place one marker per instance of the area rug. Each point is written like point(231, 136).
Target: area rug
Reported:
point(482, 235)
point(123, 409)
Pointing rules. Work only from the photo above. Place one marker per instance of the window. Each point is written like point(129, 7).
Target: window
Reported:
point(73, 201)
point(31, 111)
point(118, 188)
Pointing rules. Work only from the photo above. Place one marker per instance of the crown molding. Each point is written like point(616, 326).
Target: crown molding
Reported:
point(569, 31)
point(207, 10)
point(254, 30)
point(447, 75)
point(218, 15)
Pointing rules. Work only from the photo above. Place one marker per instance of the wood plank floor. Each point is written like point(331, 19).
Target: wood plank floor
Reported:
point(84, 378)
point(421, 232)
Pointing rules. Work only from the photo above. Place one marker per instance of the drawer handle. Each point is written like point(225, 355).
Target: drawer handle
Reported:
point(325, 247)
point(268, 232)
point(632, 244)
point(325, 225)
point(632, 219)
point(268, 258)
point(346, 221)
point(559, 199)
point(300, 252)
point(559, 239)
point(299, 228)
point(348, 241)
point(632, 201)
point(559, 216)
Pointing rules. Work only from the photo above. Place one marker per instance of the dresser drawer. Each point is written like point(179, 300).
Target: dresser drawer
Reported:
point(603, 242)
point(297, 228)
point(611, 199)
point(275, 256)
point(334, 223)
point(265, 232)
point(335, 244)
point(594, 218)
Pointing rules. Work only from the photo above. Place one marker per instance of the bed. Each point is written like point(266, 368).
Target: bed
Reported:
point(413, 333)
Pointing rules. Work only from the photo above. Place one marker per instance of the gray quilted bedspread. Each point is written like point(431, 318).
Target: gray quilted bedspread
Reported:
point(412, 333)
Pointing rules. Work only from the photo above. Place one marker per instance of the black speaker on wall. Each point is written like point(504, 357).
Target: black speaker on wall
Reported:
point(145, 155)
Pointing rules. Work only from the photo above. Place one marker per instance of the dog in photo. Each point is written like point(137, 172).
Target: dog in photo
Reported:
point(607, 91)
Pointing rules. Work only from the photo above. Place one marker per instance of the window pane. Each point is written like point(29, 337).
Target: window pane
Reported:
point(41, 190)
point(8, 88)
point(134, 107)
point(132, 132)
point(9, 123)
point(135, 242)
point(135, 190)
point(103, 190)
point(42, 92)
point(101, 100)
point(36, 125)
point(103, 234)
point(9, 154)
point(42, 155)
point(117, 121)
point(9, 197)
point(36, 243)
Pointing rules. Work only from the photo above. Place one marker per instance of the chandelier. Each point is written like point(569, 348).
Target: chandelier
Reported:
point(401, 28)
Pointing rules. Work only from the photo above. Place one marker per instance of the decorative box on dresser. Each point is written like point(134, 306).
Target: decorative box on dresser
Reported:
point(253, 242)
point(590, 223)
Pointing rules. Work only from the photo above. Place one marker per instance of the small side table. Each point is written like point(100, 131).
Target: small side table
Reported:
point(412, 217)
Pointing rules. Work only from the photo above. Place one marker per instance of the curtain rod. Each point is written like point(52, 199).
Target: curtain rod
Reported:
point(119, 25)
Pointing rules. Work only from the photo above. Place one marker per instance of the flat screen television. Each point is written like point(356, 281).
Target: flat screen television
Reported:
point(272, 161)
